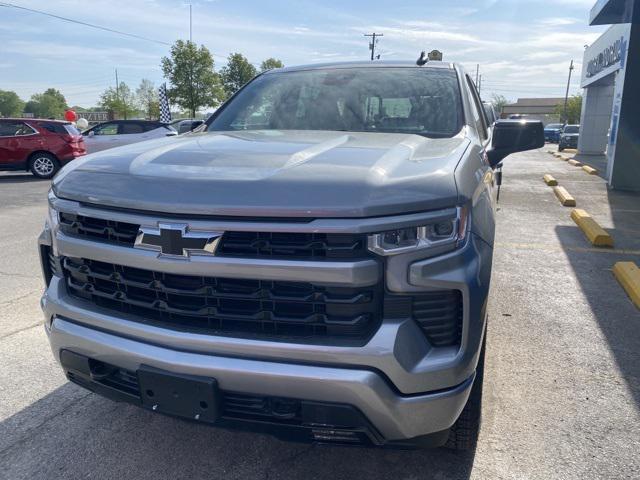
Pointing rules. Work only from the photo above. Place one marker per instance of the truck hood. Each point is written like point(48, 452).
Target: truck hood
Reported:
point(271, 173)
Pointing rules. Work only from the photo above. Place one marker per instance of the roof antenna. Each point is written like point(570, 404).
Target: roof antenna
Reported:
point(422, 60)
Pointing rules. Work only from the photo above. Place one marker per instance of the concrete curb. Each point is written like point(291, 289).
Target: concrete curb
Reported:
point(575, 163)
point(590, 170)
point(594, 232)
point(628, 275)
point(565, 197)
point(550, 180)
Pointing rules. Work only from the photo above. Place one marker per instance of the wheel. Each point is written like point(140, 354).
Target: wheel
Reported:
point(43, 165)
point(560, 148)
point(463, 435)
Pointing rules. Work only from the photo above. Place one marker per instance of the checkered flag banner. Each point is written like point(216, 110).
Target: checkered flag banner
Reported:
point(165, 112)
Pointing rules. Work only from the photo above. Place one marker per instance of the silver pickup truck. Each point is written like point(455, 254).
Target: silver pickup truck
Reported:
point(315, 262)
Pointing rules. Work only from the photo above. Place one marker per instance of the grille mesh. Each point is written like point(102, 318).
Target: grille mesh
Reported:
point(219, 306)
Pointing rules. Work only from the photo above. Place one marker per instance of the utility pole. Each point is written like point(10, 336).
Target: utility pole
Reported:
point(477, 72)
point(372, 44)
point(480, 85)
point(118, 93)
point(566, 95)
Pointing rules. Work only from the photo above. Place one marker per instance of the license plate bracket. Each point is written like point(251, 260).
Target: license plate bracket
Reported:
point(185, 396)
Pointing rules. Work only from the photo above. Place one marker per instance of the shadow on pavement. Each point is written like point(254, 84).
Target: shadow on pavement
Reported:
point(617, 317)
point(71, 433)
point(23, 178)
point(599, 162)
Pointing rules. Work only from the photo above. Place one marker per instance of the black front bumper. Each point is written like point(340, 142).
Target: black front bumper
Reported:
point(285, 418)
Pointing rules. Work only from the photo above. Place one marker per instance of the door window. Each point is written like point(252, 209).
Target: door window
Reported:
point(106, 129)
point(130, 128)
point(15, 129)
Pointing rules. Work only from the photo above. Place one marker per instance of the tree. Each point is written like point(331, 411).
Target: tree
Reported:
point(10, 104)
point(49, 104)
point(194, 83)
point(147, 96)
point(236, 73)
point(270, 64)
point(498, 102)
point(574, 109)
point(121, 102)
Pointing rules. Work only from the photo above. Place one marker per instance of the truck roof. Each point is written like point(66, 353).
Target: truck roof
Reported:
point(365, 64)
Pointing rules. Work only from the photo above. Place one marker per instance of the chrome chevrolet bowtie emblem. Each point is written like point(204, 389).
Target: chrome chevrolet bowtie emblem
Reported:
point(177, 240)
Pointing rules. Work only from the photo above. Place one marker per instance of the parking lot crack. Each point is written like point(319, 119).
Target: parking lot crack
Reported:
point(28, 327)
point(287, 460)
point(17, 299)
point(31, 432)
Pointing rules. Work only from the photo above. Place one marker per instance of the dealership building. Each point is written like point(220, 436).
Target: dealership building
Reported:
point(610, 120)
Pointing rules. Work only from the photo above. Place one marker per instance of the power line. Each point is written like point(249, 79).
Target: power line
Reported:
point(80, 22)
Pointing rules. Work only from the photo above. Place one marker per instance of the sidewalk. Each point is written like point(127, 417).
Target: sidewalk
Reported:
point(564, 338)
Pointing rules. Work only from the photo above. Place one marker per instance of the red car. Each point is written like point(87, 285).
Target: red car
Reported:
point(39, 146)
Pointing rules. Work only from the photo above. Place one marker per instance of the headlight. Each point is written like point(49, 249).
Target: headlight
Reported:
point(451, 231)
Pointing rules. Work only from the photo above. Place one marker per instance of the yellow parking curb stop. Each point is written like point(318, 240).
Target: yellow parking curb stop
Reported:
point(628, 275)
point(575, 163)
point(565, 197)
point(549, 180)
point(594, 232)
point(590, 170)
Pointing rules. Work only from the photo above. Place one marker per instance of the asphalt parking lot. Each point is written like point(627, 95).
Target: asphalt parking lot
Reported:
point(562, 391)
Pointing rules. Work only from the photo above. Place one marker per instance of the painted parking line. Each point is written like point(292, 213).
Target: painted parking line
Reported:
point(559, 248)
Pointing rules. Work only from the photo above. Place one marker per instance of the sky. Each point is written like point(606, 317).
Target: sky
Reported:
point(523, 47)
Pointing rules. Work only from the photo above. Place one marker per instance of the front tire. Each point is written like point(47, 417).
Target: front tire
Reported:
point(43, 165)
point(560, 148)
point(463, 435)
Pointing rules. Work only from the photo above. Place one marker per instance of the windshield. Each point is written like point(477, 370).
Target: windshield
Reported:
point(423, 101)
point(571, 129)
point(554, 126)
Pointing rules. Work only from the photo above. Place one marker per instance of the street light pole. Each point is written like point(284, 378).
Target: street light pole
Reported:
point(566, 95)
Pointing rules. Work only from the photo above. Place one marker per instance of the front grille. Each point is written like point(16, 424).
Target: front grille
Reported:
point(308, 246)
point(438, 314)
point(288, 311)
point(110, 231)
point(297, 245)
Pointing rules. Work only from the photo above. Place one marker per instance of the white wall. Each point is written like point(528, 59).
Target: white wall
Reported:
point(595, 118)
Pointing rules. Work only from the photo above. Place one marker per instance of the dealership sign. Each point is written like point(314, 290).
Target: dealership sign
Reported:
point(605, 56)
point(610, 56)
point(94, 117)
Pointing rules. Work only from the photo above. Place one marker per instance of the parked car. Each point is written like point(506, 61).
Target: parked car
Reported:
point(569, 137)
point(186, 125)
point(38, 146)
point(552, 132)
point(316, 263)
point(123, 132)
point(490, 112)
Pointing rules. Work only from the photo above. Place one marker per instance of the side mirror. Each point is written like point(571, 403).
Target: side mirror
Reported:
point(91, 133)
point(511, 136)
